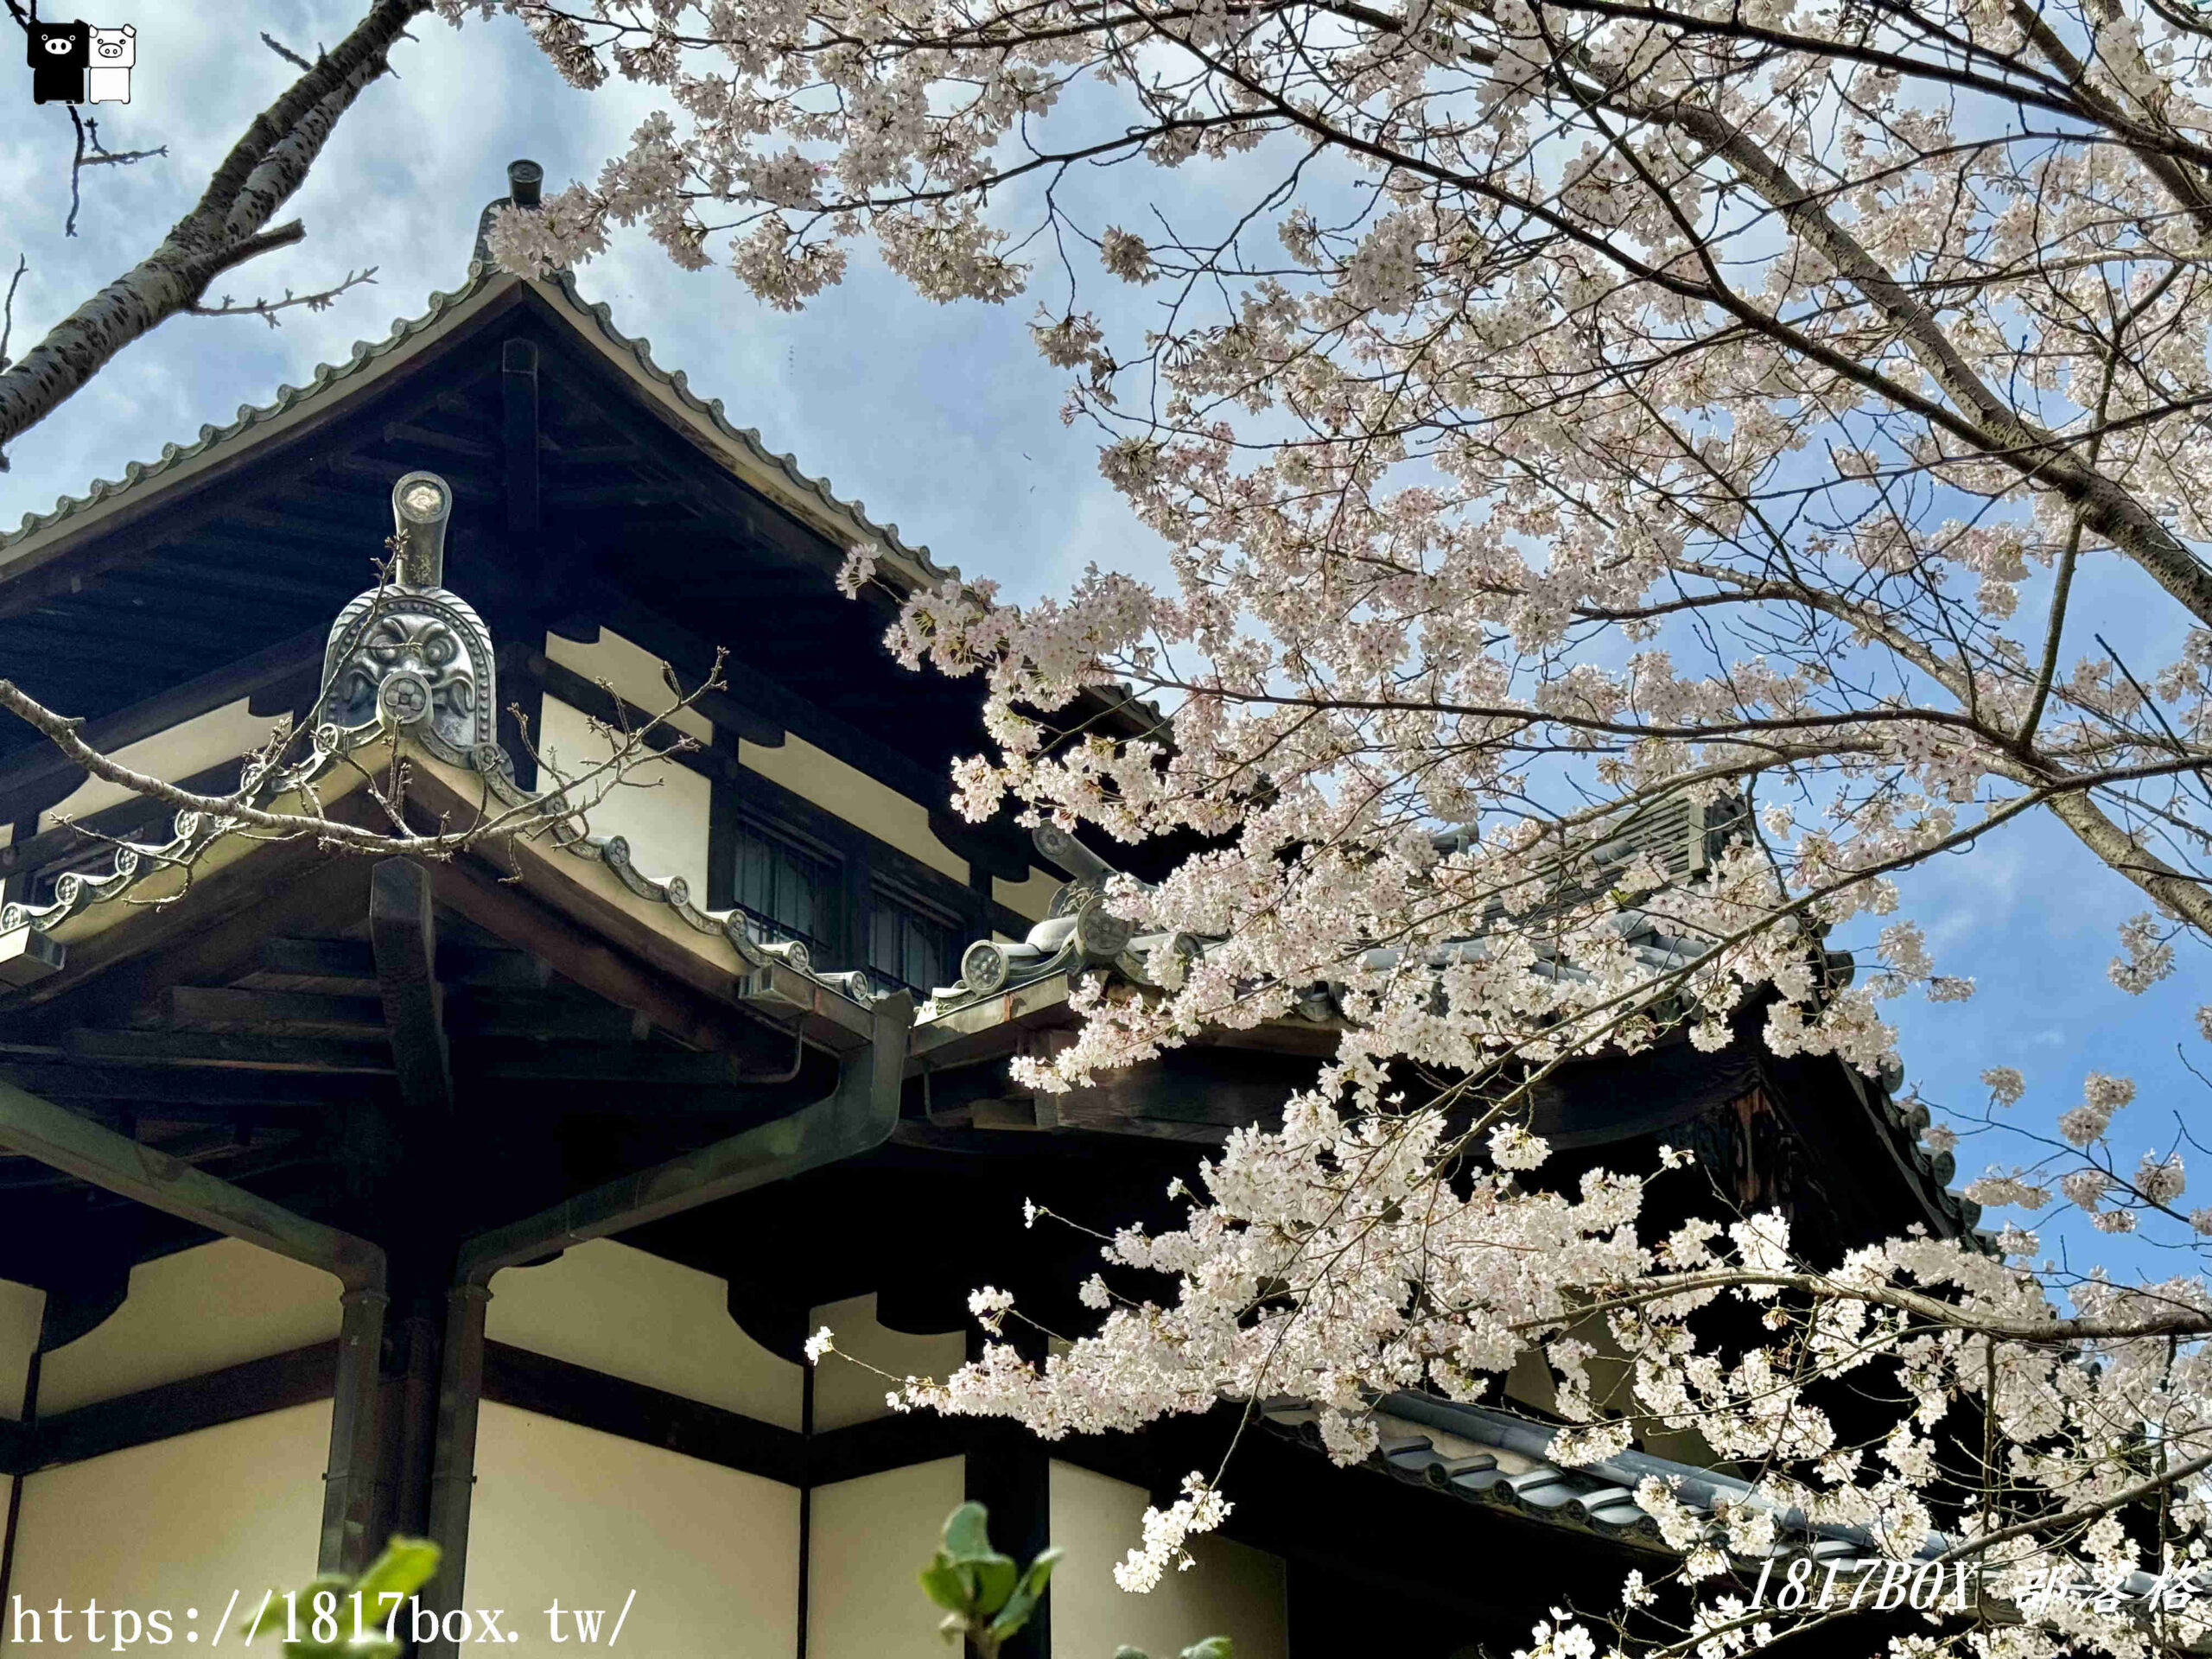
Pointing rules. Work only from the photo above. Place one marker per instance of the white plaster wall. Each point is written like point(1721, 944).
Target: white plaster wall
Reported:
point(21, 1307)
point(1234, 1590)
point(188, 746)
point(1031, 897)
point(860, 800)
point(658, 807)
point(868, 1539)
point(194, 1312)
point(632, 672)
point(570, 1513)
point(845, 1393)
point(634, 1315)
point(178, 1523)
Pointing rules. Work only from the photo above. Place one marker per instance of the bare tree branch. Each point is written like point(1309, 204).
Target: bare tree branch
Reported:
point(229, 225)
point(267, 310)
point(8, 307)
point(283, 51)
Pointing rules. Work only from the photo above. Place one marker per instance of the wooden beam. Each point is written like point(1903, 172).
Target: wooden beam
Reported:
point(525, 1060)
point(520, 436)
point(403, 932)
point(1008, 1470)
point(135, 817)
point(643, 492)
point(689, 1015)
point(399, 435)
point(569, 1018)
point(468, 1012)
point(216, 1095)
point(346, 963)
point(634, 1411)
point(66, 1140)
point(226, 1007)
point(295, 1378)
point(250, 1051)
point(293, 887)
point(586, 455)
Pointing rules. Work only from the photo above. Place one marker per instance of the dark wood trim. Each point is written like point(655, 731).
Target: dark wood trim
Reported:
point(533, 667)
point(1009, 1472)
point(297, 1378)
point(592, 961)
point(721, 832)
point(11, 1452)
point(519, 437)
point(632, 1411)
point(884, 1443)
point(31, 785)
point(15, 881)
point(136, 816)
point(403, 937)
point(755, 697)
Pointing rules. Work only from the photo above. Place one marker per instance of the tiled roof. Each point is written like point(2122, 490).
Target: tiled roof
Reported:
point(330, 379)
point(1080, 935)
point(1498, 1461)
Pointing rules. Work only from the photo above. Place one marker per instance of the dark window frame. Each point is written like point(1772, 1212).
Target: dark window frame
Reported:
point(743, 799)
point(890, 900)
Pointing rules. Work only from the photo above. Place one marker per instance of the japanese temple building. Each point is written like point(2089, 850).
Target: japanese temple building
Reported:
point(494, 1197)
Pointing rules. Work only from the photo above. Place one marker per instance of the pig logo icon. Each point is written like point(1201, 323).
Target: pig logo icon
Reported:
point(107, 78)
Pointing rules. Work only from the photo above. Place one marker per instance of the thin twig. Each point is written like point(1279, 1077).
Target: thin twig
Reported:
point(101, 152)
point(8, 308)
point(283, 51)
point(267, 310)
point(76, 168)
point(93, 153)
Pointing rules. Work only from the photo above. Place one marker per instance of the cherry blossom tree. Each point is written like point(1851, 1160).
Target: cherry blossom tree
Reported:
point(1558, 415)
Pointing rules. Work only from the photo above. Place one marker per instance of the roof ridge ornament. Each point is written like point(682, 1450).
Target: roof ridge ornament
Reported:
point(408, 652)
point(525, 188)
point(422, 505)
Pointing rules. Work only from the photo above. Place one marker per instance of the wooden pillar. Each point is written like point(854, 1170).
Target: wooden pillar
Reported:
point(1009, 1472)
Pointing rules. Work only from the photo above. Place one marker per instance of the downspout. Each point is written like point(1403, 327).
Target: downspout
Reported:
point(856, 1117)
point(59, 1138)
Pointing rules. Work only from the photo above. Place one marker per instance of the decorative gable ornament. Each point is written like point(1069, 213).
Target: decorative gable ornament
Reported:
point(410, 652)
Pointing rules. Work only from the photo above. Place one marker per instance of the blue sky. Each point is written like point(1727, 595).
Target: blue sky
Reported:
point(942, 418)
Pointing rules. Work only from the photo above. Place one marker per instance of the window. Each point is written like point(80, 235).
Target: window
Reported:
point(786, 891)
point(910, 945)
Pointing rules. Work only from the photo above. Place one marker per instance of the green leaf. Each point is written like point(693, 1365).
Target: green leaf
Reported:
point(1214, 1647)
point(1129, 1653)
point(1023, 1602)
point(405, 1567)
point(996, 1577)
point(948, 1586)
point(967, 1533)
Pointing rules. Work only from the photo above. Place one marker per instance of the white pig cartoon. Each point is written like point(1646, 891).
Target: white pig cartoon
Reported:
point(114, 51)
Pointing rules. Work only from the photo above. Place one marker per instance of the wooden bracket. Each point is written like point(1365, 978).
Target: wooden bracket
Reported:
point(403, 933)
